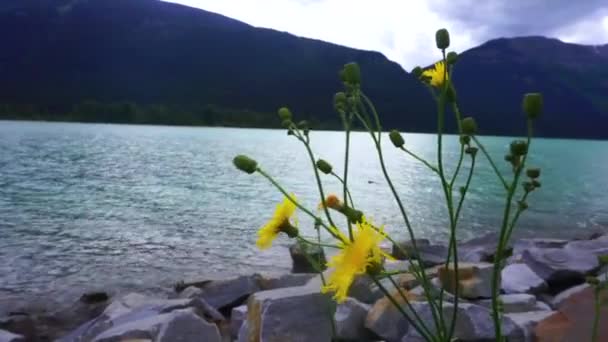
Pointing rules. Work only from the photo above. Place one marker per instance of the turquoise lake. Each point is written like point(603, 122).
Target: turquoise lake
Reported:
point(87, 206)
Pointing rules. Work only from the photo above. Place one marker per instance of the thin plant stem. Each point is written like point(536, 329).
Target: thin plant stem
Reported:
point(433, 168)
point(345, 179)
point(502, 241)
point(485, 153)
point(458, 166)
point(400, 309)
point(419, 270)
point(350, 198)
point(409, 305)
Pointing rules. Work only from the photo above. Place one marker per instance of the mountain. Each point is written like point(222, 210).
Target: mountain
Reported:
point(147, 61)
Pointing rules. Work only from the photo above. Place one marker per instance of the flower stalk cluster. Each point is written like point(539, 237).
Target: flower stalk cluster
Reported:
point(358, 241)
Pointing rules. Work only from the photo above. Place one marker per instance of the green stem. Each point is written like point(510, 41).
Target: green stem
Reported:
point(301, 207)
point(596, 316)
point(409, 305)
point(485, 153)
point(502, 241)
point(466, 188)
point(350, 198)
point(312, 243)
point(400, 309)
point(458, 166)
point(515, 218)
point(433, 168)
point(419, 270)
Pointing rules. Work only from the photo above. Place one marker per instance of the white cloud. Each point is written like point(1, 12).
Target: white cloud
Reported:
point(401, 29)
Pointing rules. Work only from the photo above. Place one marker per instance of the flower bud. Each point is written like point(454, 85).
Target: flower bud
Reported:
point(528, 186)
point(340, 102)
point(417, 71)
point(442, 38)
point(245, 164)
point(465, 140)
point(285, 114)
point(324, 166)
point(374, 268)
point(396, 138)
point(471, 150)
point(469, 126)
point(353, 215)
point(519, 148)
point(533, 105)
point(603, 259)
point(536, 183)
point(303, 125)
point(509, 158)
point(286, 123)
point(351, 73)
point(452, 57)
point(533, 172)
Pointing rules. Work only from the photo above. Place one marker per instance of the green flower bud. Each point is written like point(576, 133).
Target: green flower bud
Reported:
point(303, 125)
point(324, 166)
point(442, 38)
point(533, 105)
point(528, 186)
point(245, 164)
point(285, 114)
point(465, 140)
point(452, 57)
point(340, 102)
point(471, 150)
point(286, 123)
point(351, 73)
point(593, 281)
point(536, 183)
point(396, 138)
point(509, 158)
point(519, 148)
point(353, 215)
point(533, 172)
point(374, 269)
point(603, 259)
point(417, 71)
point(469, 126)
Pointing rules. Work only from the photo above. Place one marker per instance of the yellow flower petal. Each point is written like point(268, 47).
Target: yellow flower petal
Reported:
point(438, 74)
point(269, 232)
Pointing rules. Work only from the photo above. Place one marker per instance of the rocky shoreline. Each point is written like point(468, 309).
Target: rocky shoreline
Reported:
point(544, 298)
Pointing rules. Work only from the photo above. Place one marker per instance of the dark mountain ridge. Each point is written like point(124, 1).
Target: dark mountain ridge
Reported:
point(158, 62)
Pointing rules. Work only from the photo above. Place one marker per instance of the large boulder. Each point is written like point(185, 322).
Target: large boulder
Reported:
point(289, 314)
point(350, 321)
point(560, 267)
point(224, 294)
point(473, 323)
point(385, 320)
point(307, 258)
point(513, 303)
point(178, 325)
point(133, 308)
point(597, 246)
point(519, 278)
point(479, 249)
point(285, 280)
point(527, 321)
point(519, 246)
point(403, 250)
point(363, 288)
point(6, 336)
point(474, 279)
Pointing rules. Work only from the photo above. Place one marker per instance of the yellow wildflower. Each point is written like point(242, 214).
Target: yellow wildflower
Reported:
point(354, 259)
point(438, 74)
point(277, 224)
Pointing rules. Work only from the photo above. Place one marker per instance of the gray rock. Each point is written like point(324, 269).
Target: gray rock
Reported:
point(178, 325)
point(362, 289)
point(385, 320)
point(519, 278)
point(237, 317)
point(226, 294)
point(190, 292)
point(560, 298)
point(597, 246)
point(527, 321)
point(473, 323)
point(433, 255)
point(307, 259)
point(475, 279)
point(513, 303)
point(479, 249)
point(243, 335)
point(560, 267)
point(405, 250)
point(522, 244)
point(350, 321)
point(6, 336)
point(285, 280)
point(541, 306)
point(289, 314)
point(136, 307)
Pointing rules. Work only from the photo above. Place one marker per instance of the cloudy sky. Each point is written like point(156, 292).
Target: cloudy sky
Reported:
point(404, 29)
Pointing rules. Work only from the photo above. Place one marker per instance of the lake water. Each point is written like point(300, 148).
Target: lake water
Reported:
point(86, 206)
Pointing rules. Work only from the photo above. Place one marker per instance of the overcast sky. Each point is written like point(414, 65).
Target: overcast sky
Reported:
point(404, 29)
